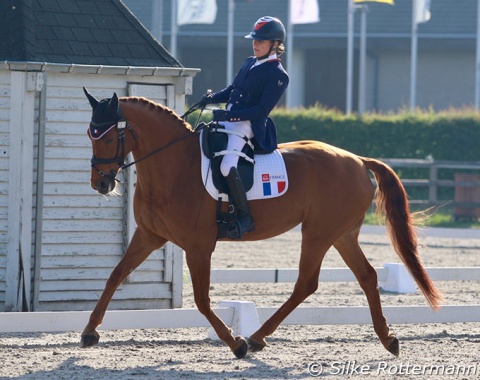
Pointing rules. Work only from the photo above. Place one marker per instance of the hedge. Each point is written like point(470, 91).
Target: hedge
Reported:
point(451, 135)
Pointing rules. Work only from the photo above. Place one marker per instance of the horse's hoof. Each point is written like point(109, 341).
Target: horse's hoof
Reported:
point(255, 346)
point(394, 347)
point(241, 347)
point(89, 339)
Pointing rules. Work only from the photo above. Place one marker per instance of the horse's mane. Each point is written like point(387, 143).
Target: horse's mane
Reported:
point(156, 107)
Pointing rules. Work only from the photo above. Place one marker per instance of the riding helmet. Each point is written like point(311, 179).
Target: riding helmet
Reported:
point(268, 28)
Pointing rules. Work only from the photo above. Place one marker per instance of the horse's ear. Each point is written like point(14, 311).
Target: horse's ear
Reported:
point(113, 103)
point(91, 99)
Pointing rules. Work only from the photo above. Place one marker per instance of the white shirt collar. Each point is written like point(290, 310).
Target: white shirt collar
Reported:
point(257, 62)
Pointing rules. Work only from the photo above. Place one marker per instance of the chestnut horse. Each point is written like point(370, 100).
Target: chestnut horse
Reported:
point(329, 193)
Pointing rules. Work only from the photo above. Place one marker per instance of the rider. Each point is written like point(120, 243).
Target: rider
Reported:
point(256, 89)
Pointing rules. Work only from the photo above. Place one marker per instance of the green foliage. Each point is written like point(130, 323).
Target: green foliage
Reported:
point(446, 135)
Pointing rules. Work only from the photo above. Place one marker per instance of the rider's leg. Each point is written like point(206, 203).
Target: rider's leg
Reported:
point(229, 170)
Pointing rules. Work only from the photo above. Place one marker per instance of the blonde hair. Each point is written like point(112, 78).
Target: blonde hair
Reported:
point(280, 49)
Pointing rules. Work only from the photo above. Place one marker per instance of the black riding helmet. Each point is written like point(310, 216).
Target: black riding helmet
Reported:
point(268, 28)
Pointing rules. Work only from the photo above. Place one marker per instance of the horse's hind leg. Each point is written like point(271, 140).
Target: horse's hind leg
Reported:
point(352, 254)
point(138, 250)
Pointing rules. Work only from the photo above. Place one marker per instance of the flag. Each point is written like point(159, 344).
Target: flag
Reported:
point(273, 184)
point(391, 2)
point(196, 12)
point(304, 11)
point(422, 11)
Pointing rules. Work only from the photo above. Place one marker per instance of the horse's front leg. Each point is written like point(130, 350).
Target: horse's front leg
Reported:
point(199, 265)
point(138, 250)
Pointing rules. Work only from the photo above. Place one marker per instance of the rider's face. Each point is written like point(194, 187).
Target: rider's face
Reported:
point(261, 47)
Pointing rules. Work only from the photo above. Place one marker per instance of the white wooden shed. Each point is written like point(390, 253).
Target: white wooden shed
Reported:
point(59, 239)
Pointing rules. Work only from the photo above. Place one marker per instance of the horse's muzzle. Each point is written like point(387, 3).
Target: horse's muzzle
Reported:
point(105, 184)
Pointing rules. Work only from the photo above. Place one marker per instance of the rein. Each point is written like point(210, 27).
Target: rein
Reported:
point(197, 128)
point(125, 166)
point(119, 159)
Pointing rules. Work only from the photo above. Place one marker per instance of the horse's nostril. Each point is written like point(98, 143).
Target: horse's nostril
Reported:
point(102, 187)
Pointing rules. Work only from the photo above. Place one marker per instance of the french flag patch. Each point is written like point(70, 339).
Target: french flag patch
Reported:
point(273, 184)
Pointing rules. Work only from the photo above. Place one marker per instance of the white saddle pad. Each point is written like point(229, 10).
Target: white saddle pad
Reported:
point(270, 178)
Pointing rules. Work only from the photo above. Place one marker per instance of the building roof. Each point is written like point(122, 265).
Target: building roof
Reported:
point(100, 32)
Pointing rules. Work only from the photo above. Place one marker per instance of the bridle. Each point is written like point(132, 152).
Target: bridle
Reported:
point(120, 156)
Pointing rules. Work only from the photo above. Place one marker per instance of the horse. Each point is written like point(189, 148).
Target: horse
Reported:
point(329, 193)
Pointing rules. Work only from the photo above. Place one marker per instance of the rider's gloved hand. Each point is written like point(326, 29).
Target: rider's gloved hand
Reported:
point(220, 115)
point(206, 99)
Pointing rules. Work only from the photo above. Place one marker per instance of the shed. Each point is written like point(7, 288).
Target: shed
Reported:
point(59, 239)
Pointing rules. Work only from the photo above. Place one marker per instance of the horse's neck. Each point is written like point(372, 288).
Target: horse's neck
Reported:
point(154, 125)
point(172, 145)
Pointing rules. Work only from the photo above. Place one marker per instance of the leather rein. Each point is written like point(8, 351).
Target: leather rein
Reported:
point(120, 156)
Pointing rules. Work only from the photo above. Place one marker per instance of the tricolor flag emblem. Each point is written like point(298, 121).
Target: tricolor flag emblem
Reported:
point(273, 185)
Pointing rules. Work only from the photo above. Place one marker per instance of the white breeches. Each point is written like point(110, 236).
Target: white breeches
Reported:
point(234, 143)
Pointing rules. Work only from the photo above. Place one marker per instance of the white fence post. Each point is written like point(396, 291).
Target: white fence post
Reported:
point(245, 318)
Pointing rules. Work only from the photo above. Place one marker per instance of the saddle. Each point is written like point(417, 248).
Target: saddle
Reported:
point(214, 146)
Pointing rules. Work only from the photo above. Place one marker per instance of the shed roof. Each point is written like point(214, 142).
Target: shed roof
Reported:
point(100, 32)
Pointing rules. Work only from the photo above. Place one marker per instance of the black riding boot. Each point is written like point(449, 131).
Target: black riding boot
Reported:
point(237, 192)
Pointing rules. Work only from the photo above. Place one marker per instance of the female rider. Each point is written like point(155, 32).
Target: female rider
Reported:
point(256, 89)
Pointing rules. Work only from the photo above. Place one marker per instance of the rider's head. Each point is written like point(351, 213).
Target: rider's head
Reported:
point(270, 29)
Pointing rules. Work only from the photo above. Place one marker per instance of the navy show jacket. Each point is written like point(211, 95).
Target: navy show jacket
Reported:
point(253, 94)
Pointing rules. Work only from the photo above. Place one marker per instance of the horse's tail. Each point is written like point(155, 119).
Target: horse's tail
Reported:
point(391, 201)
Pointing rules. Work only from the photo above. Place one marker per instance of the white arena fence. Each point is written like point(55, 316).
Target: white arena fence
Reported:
point(387, 274)
point(244, 318)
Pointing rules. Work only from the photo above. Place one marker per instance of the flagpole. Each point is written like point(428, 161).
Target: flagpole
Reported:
point(231, 12)
point(477, 63)
point(413, 57)
point(173, 29)
point(351, 20)
point(363, 60)
point(157, 20)
point(289, 46)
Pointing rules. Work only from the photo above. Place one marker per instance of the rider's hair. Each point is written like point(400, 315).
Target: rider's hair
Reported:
point(280, 49)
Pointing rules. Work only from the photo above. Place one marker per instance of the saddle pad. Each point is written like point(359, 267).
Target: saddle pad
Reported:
point(270, 178)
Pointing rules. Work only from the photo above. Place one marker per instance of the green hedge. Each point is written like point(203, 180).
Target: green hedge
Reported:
point(447, 135)
point(452, 135)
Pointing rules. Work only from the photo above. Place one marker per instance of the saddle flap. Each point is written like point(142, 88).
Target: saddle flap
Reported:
point(213, 142)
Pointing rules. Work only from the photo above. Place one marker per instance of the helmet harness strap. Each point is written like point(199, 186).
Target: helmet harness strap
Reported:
point(269, 51)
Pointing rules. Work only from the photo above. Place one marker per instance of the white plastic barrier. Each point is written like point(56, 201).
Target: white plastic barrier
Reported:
point(241, 316)
point(393, 277)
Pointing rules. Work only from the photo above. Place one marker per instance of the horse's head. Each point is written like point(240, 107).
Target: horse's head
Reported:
point(107, 133)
